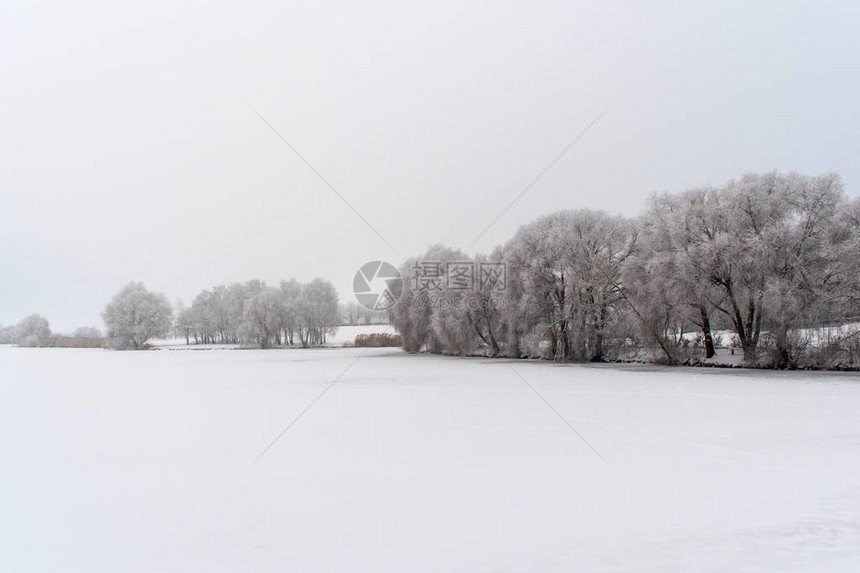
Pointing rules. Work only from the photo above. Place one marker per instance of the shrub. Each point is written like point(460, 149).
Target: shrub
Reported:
point(378, 340)
point(72, 342)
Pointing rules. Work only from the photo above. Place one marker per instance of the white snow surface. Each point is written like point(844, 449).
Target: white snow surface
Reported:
point(144, 462)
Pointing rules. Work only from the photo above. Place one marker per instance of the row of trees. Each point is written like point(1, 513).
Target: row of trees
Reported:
point(353, 314)
point(35, 330)
point(247, 313)
point(765, 256)
point(254, 313)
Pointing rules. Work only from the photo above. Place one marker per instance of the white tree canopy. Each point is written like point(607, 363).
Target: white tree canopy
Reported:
point(135, 315)
point(30, 330)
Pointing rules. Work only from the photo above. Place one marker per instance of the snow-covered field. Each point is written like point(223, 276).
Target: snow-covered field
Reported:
point(143, 462)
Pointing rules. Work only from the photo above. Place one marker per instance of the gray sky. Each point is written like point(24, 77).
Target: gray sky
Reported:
point(129, 149)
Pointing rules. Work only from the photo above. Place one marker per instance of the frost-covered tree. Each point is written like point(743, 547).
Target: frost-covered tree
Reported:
point(291, 290)
point(486, 303)
point(415, 313)
point(449, 315)
point(537, 288)
point(767, 259)
point(598, 248)
point(263, 318)
point(411, 319)
point(217, 314)
point(445, 307)
point(203, 316)
point(799, 253)
point(353, 313)
point(88, 332)
point(134, 315)
point(565, 281)
point(248, 312)
point(654, 322)
point(842, 276)
point(316, 312)
point(668, 278)
point(766, 255)
point(213, 317)
point(7, 334)
point(760, 251)
point(185, 324)
point(30, 330)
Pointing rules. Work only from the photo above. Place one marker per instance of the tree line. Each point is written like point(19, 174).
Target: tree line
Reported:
point(249, 313)
point(768, 257)
point(292, 313)
point(35, 330)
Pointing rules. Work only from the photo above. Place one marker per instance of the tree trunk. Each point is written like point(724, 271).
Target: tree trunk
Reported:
point(598, 341)
point(749, 352)
point(710, 351)
point(783, 355)
point(564, 341)
point(494, 345)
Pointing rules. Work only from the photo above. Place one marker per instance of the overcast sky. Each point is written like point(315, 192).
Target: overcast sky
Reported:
point(130, 149)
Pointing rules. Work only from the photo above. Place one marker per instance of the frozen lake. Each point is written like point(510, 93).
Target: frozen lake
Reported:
point(143, 462)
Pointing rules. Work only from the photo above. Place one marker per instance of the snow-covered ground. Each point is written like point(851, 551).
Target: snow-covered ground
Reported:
point(143, 462)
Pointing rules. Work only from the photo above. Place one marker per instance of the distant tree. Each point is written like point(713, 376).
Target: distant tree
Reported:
point(350, 312)
point(88, 332)
point(200, 317)
point(451, 318)
point(210, 315)
point(30, 330)
point(264, 318)
point(291, 290)
point(413, 314)
point(185, 324)
point(232, 302)
point(7, 334)
point(134, 315)
point(462, 321)
point(249, 311)
point(317, 313)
